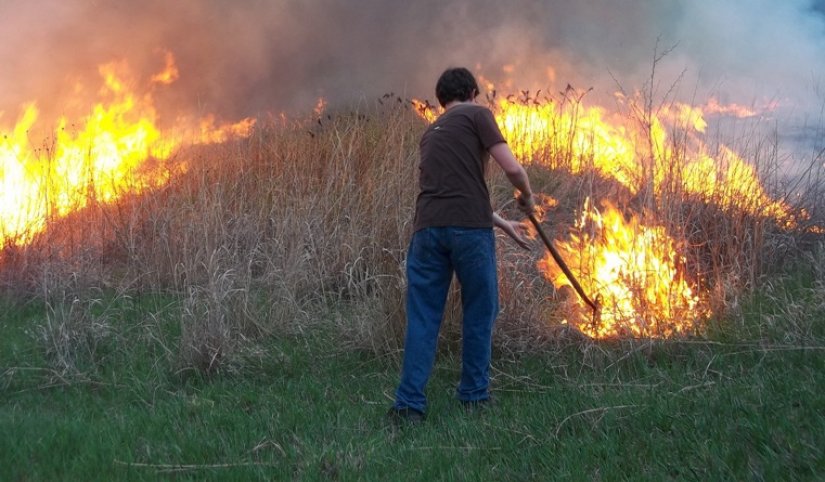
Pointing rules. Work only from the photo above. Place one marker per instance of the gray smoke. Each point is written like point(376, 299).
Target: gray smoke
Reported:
point(244, 57)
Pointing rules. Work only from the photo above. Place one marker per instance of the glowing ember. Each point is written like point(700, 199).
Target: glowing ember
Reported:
point(635, 272)
point(99, 159)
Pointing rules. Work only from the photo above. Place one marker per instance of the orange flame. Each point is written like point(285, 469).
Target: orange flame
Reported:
point(99, 159)
point(210, 133)
point(574, 137)
point(635, 272)
point(320, 106)
point(426, 110)
point(170, 73)
point(635, 268)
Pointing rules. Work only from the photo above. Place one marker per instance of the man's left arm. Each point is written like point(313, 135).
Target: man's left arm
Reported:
point(514, 229)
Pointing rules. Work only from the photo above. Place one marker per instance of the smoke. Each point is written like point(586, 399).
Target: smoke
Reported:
point(244, 57)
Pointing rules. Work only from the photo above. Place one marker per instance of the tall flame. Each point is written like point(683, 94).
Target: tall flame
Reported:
point(100, 158)
point(635, 272)
point(571, 136)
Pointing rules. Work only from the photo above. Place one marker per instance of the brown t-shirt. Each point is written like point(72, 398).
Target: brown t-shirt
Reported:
point(454, 157)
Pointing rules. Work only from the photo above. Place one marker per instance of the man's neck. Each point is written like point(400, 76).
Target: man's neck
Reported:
point(458, 102)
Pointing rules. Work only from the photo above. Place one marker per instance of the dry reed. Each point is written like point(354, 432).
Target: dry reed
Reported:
point(305, 224)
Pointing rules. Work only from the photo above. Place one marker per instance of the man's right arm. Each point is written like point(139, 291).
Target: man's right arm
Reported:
point(515, 173)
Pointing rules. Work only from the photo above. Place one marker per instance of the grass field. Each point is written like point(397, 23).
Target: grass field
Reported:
point(245, 319)
point(301, 407)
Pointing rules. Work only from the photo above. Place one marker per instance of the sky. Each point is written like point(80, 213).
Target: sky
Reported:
point(245, 57)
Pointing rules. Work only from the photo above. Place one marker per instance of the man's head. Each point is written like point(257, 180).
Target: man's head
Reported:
point(456, 84)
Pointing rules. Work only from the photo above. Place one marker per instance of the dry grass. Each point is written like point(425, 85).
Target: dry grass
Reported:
point(77, 327)
point(306, 222)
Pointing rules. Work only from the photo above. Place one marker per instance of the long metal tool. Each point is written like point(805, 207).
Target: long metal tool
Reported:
point(557, 257)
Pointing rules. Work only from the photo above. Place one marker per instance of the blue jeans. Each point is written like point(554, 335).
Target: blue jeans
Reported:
point(434, 255)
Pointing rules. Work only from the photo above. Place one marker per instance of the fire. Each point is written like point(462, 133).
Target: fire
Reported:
point(631, 264)
point(634, 270)
point(115, 150)
point(426, 110)
point(320, 106)
point(170, 73)
point(570, 136)
point(211, 133)
point(713, 106)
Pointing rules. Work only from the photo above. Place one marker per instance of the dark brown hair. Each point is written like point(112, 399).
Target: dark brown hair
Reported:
point(456, 83)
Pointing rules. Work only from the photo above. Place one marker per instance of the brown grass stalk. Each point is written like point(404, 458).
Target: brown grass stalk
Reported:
point(305, 225)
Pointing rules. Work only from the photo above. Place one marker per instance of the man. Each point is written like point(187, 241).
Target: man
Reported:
point(453, 233)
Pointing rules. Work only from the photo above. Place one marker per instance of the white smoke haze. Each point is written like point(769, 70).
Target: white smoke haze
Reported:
point(245, 57)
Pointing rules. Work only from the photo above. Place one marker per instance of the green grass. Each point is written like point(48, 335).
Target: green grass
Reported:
point(305, 408)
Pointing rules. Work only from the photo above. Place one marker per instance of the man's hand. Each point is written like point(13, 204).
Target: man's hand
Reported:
point(514, 229)
point(526, 203)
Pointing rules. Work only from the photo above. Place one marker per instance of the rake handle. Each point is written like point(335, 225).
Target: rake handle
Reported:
point(559, 261)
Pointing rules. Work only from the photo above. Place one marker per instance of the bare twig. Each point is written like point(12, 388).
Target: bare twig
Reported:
point(592, 410)
point(188, 467)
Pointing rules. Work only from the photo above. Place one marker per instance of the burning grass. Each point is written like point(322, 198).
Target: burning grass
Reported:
point(303, 221)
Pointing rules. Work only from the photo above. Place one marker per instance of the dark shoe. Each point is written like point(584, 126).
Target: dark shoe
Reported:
point(477, 405)
point(406, 415)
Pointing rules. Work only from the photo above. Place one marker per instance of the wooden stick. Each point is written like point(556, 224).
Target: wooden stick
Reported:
point(559, 261)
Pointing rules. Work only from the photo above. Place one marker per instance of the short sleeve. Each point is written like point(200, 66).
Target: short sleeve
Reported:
point(488, 130)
